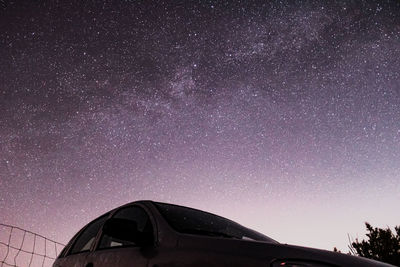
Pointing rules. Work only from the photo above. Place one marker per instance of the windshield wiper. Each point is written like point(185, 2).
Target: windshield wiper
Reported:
point(206, 232)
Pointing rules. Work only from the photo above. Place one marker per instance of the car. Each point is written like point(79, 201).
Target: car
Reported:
point(154, 234)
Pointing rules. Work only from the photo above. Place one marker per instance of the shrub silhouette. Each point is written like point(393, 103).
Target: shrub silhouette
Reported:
point(382, 245)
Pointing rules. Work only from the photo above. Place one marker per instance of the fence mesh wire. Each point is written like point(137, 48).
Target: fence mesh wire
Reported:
point(22, 248)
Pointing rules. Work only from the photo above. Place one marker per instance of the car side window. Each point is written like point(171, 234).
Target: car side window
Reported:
point(88, 236)
point(144, 226)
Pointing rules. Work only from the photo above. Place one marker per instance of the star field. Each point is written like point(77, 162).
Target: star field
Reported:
point(281, 115)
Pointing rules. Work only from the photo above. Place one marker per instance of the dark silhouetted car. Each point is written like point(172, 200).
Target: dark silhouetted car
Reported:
point(153, 234)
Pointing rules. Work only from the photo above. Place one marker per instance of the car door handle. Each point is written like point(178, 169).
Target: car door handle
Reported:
point(89, 264)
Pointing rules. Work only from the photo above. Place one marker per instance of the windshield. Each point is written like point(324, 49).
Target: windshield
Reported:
point(192, 221)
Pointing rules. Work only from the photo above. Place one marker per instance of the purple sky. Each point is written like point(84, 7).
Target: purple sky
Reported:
point(284, 117)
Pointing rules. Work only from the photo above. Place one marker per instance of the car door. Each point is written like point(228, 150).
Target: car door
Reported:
point(76, 256)
point(117, 252)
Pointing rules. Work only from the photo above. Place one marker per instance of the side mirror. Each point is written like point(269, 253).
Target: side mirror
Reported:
point(122, 229)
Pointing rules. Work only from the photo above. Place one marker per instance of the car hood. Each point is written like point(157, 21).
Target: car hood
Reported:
point(267, 251)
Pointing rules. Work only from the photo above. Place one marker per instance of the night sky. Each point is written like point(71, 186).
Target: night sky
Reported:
point(281, 115)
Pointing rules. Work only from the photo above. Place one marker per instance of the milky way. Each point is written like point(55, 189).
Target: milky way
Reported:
point(284, 116)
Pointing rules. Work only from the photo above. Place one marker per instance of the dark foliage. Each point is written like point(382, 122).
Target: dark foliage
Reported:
point(382, 245)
